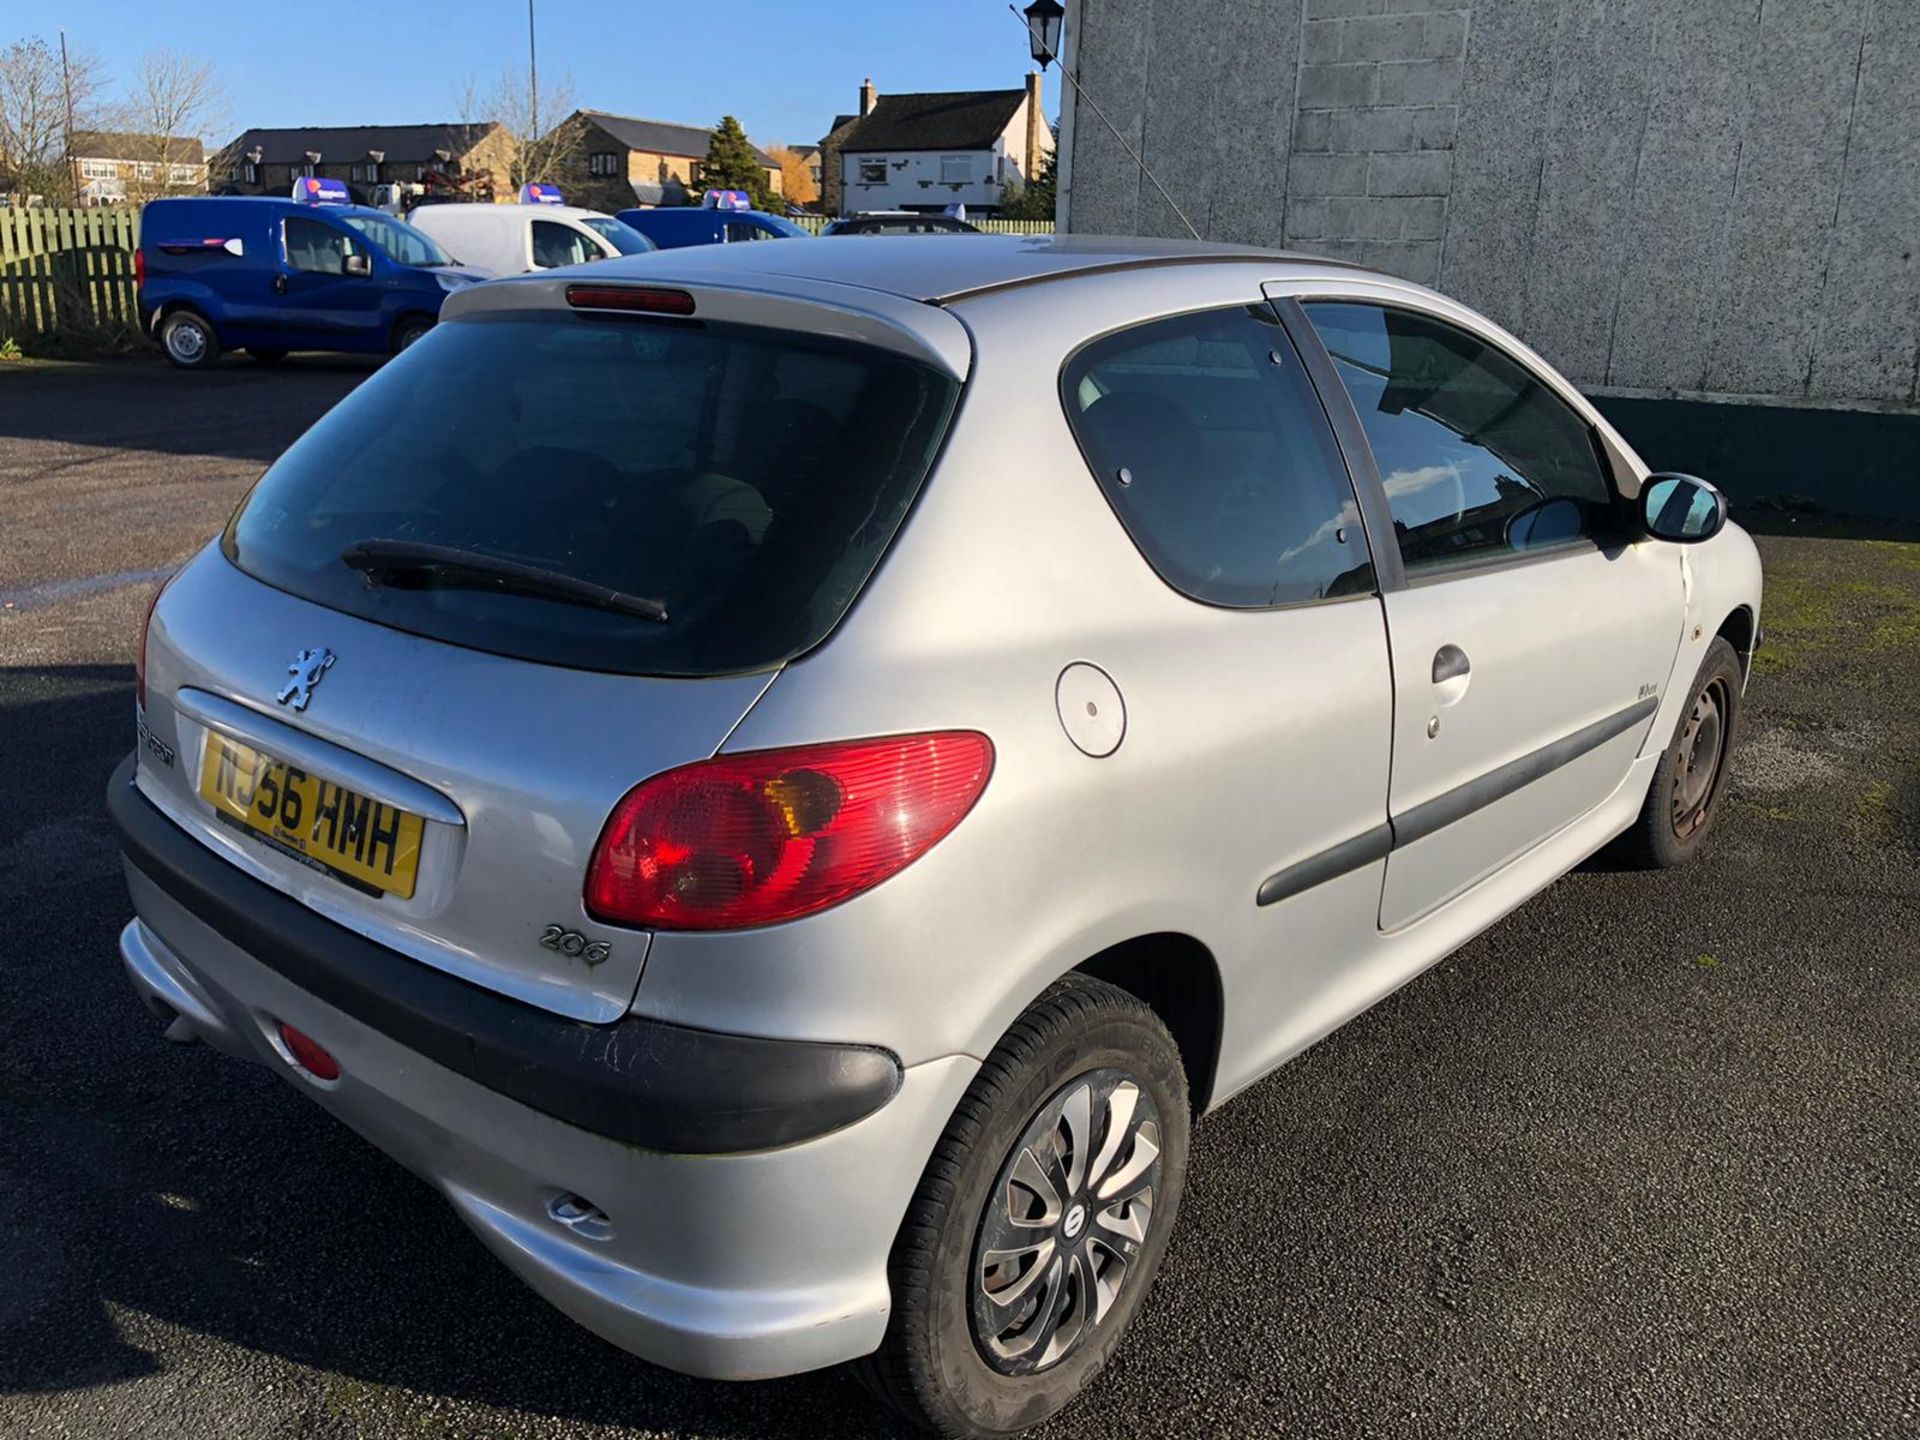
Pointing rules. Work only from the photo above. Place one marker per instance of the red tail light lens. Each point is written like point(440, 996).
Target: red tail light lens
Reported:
point(776, 834)
point(307, 1052)
point(140, 654)
point(139, 268)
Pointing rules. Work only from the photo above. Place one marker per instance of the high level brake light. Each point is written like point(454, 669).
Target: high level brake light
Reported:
point(772, 835)
point(635, 299)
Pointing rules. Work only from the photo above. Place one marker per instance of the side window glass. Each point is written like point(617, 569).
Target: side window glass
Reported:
point(557, 245)
point(1479, 458)
point(317, 247)
point(739, 230)
point(1212, 448)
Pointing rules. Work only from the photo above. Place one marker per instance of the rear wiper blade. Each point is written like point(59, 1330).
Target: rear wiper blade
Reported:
point(384, 560)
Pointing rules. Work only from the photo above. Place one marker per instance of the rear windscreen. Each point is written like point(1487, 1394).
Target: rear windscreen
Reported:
point(747, 479)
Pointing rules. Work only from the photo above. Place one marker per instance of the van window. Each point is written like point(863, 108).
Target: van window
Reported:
point(555, 245)
point(748, 479)
point(317, 247)
point(399, 241)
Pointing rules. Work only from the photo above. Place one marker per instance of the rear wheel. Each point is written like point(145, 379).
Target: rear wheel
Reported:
point(266, 355)
point(1684, 801)
point(409, 330)
point(1041, 1219)
point(188, 340)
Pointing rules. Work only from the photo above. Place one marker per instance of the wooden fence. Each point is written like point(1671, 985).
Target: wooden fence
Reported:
point(68, 273)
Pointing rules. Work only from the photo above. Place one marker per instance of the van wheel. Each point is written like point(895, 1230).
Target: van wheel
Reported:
point(409, 330)
point(188, 340)
point(266, 355)
point(1041, 1219)
point(1683, 802)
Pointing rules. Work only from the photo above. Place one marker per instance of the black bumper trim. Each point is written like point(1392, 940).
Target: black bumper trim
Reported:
point(640, 1081)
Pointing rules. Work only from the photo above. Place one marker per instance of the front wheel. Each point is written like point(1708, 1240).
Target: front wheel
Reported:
point(1684, 801)
point(188, 340)
point(409, 330)
point(1041, 1219)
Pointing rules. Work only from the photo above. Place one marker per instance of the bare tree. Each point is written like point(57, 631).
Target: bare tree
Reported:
point(170, 114)
point(34, 105)
point(544, 132)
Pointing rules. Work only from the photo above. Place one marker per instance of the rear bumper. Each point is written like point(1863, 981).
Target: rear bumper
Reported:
point(641, 1081)
point(735, 1266)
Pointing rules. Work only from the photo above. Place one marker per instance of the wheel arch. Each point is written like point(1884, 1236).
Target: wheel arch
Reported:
point(1738, 630)
point(1177, 976)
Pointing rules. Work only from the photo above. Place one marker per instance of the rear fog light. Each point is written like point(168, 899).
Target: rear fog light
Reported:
point(308, 1054)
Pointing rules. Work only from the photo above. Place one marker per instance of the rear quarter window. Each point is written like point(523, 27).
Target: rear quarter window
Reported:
point(747, 479)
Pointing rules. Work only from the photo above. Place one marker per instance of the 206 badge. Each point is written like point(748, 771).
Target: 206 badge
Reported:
point(307, 668)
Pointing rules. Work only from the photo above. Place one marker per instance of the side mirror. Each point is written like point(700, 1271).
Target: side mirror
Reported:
point(1681, 508)
point(356, 263)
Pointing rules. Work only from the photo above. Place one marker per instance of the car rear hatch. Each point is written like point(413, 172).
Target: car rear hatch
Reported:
point(547, 553)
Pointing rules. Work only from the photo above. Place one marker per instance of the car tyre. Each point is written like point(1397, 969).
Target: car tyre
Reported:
point(266, 355)
point(981, 1346)
point(1685, 799)
point(188, 340)
point(409, 330)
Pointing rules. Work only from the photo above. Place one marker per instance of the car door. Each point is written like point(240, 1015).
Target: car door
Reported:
point(317, 294)
point(1210, 444)
point(1533, 633)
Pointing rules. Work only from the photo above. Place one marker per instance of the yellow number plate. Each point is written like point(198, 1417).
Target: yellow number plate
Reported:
point(370, 845)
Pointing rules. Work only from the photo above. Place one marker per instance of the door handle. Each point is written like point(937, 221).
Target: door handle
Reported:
point(279, 284)
point(1450, 663)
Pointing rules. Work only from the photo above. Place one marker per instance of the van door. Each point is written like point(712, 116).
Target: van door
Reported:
point(318, 295)
point(1533, 634)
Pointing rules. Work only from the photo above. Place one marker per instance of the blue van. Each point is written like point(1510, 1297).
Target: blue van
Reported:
point(675, 226)
point(268, 276)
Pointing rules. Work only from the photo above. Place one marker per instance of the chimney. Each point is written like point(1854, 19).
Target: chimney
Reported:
point(869, 97)
point(1036, 127)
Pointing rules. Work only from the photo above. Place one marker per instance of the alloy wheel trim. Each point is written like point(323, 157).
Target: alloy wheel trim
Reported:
point(1066, 1222)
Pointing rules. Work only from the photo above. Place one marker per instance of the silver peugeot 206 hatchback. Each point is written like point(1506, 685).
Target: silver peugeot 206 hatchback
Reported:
point(782, 779)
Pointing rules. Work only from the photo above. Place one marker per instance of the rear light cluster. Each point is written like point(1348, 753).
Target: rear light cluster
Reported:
point(753, 839)
point(139, 268)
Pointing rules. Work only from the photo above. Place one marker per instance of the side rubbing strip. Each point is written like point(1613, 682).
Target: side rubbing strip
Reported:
point(1328, 865)
point(1483, 790)
point(1443, 810)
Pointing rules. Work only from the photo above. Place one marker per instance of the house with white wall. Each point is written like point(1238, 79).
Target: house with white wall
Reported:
point(925, 152)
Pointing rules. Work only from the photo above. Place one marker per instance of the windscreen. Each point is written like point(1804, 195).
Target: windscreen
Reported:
point(623, 237)
point(399, 240)
point(747, 479)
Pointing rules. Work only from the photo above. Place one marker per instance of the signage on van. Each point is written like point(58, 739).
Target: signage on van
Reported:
point(319, 190)
point(534, 194)
point(727, 200)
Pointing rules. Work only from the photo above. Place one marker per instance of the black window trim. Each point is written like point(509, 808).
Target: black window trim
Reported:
point(1366, 529)
point(1291, 307)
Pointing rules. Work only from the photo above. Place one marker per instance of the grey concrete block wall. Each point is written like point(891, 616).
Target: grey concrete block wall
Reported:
point(1711, 197)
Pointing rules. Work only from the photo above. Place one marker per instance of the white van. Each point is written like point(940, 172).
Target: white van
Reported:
point(513, 239)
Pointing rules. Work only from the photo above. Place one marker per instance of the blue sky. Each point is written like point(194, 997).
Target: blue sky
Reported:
point(784, 68)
